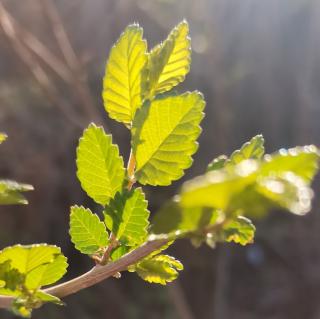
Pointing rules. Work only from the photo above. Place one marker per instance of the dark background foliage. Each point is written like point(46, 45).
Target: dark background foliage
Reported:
point(257, 63)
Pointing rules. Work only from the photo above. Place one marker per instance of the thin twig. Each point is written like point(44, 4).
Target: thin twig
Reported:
point(97, 273)
point(36, 70)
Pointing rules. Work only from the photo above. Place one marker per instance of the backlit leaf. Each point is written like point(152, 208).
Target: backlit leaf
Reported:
point(10, 192)
point(100, 167)
point(302, 161)
point(3, 137)
point(122, 82)
point(87, 232)
point(164, 137)
point(159, 269)
point(239, 230)
point(254, 149)
point(127, 217)
point(169, 62)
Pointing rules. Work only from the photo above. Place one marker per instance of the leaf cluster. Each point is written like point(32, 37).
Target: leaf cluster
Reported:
point(164, 126)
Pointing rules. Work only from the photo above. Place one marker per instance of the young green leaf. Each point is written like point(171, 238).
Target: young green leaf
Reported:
point(239, 230)
point(30, 267)
point(254, 149)
point(10, 192)
point(27, 258)
point(216, 189)
point(159, 269)
point(217, 163)
point(302, 161)
point(164, 137)
point(172, 218)
point(100, 167)
point(127, 217)
point(123, 80)
point(287, 191)
point(87, 232)
point(47, 274)
point(3, 137)
point(169, 62)
point(10, 279)
point(44, 297)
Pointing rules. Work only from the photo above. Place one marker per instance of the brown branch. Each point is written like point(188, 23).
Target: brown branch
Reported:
point(97, 273)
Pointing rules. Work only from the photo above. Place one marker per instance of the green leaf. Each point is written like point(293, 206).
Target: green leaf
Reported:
point(87, 232)
point(10, 192)
point(217, 163)
point(159, 269)
point(172, 218)
point(28, 258)
point(254, 149)
point(239, 230)
point(118, 252)
point(302, 161)
point(164, 137)
point(127, 217)
point(47, 274)
point(10, 279)
point(44, 297)
point(3, 137)
point(287, 191)
point(26, 268)
point(169, 62)
point(20, 308)
point(24, 304)
point(100, 167)
point(123, 79)
point(217, 189)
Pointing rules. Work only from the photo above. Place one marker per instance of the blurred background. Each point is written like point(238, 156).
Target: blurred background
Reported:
point(258, 65)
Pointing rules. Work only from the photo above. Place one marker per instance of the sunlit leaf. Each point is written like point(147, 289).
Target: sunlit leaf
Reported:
point(122, 82)
point(288, 191)
point(44, 297)
point(48, 273)
point(216, 189)
point(164, 137)
point(239, 230)
point(254, 149)
point(100, 167)
point(10, 192)
point(159, 269)
point(169, 62)
point(3, 137)
point(172, 217)
point(10, 279)
point(87, 232)
point(302, 161)
point(217, 163)
point(127, 217)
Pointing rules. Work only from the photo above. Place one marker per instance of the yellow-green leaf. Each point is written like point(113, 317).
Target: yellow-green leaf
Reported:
point(239, 230)
point(87, 232)
point(169, 62)
point(10, 192)
point(123, 80)
point(37, 265)
point(3, 137)
point(159, 269)
point(164, 135)
point(47, 274)
point(100, 167)
point(127, 217)
point(302, 161)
